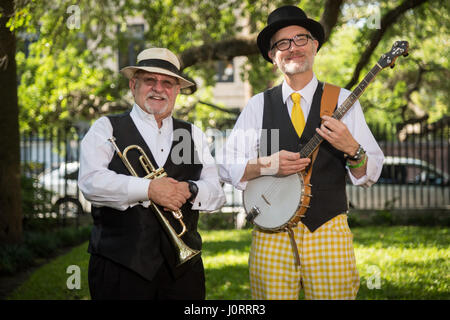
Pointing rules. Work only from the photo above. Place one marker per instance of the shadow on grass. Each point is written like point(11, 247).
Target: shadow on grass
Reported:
point(212, 248)
point(405, 237)
point(228, 283)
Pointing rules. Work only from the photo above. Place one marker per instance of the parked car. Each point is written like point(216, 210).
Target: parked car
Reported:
point(404, 183)
point(62, 181)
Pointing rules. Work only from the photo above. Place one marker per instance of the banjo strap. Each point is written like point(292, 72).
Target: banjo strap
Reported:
point(328, 104)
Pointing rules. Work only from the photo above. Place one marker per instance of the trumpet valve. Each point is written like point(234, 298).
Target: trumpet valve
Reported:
point(160, 173)
point(156, 174)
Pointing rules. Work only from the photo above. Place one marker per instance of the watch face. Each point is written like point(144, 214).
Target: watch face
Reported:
point(193, 189)
point(359, 154)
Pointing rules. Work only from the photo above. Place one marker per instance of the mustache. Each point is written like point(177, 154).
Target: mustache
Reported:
point(295, 54)
point(156, 95)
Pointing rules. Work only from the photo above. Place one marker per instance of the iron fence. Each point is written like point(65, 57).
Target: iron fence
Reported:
point(415, 171)
point(414, 176)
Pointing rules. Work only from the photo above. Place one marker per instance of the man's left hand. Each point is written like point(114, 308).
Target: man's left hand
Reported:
point(338, 135)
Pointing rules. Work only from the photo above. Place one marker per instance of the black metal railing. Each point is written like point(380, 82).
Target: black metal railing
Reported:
point(414, 176)
point(49, 159)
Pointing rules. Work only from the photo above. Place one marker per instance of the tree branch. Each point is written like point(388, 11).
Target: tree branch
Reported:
point(234, 111)
point(222, 50)
point(244, 46)
point(386, 22)
point(330, 16)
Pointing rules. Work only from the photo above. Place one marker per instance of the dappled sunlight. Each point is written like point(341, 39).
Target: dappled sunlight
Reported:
point(393, 263)
point(403, 262)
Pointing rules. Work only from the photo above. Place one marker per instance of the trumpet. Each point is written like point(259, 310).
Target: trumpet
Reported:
point(184, 252)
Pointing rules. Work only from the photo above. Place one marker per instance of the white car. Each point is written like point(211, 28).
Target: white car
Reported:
point(62, 181)
point(404, 183)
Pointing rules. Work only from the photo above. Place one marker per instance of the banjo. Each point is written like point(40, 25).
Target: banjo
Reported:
point(277, 204)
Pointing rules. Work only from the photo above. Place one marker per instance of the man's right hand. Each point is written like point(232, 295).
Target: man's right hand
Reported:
point(167, 193)
point(283, 163)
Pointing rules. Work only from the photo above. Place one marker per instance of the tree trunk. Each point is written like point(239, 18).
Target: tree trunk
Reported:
point(10, 191)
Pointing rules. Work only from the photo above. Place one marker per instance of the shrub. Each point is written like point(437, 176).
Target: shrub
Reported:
point(38, 245)
point(35, 198)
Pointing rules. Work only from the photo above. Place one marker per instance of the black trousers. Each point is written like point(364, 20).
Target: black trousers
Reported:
point(111, 281)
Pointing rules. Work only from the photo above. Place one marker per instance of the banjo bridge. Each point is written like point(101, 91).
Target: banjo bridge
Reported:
point(265, 199)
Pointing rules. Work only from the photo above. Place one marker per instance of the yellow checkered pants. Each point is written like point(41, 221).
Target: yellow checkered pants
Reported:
point(327, 263)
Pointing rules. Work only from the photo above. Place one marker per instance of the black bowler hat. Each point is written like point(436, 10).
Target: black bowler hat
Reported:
point(283, 17)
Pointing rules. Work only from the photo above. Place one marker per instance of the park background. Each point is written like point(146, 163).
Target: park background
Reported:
point(59, 64)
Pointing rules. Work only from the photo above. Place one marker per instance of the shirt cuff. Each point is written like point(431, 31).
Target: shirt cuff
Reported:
point(365, 181)
point(138, 190)
point(237, 171)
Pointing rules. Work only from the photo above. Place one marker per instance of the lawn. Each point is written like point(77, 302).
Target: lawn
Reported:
point(398, 262)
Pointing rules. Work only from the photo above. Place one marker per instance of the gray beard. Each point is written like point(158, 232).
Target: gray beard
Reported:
point(151, 111)
point(294, 68)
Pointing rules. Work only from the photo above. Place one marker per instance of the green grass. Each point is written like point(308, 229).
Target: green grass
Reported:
point(405, 262)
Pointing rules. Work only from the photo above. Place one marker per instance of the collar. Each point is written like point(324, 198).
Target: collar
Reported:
point(307, 92)
point(150, 119)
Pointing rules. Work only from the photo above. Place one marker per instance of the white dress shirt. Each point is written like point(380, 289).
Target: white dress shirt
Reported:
point(243, 142)
point(104, 187)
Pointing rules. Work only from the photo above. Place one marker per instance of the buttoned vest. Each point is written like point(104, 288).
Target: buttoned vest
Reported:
point(135, 238)
point(328, 177)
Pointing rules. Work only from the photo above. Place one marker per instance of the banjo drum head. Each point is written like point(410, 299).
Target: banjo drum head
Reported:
point(277, 198)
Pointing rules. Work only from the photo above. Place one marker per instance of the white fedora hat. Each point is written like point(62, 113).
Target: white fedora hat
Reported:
point(158, 60)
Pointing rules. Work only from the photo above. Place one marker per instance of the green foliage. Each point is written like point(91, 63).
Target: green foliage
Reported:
point(217, 221)
point(38, 245)
point(35, 199)
point(67, 76)
point(50, 280)
point(13, 257)
point(415, 86)
point(358, 218)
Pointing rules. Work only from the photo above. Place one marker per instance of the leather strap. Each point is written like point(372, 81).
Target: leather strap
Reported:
point(329, 99)
point(328, 104)
point(293, 245)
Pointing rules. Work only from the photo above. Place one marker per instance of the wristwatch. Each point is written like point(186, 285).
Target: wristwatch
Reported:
point(358, 155)
point(193, 189)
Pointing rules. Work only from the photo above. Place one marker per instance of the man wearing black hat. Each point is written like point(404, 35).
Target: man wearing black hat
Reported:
point(325, 268)
point(133, 255)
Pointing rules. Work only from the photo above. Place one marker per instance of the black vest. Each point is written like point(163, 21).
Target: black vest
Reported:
point(135, 238)
point(328, 176)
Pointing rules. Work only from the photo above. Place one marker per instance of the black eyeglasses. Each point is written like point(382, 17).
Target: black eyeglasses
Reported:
point(285, 44)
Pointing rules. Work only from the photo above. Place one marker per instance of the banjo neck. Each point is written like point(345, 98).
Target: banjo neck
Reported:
point(316, 140)
point(400, 48)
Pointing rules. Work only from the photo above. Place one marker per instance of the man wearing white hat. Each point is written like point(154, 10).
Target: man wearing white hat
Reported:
point(132, 256)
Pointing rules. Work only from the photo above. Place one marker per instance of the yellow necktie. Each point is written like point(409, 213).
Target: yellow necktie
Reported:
point(297, 117)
